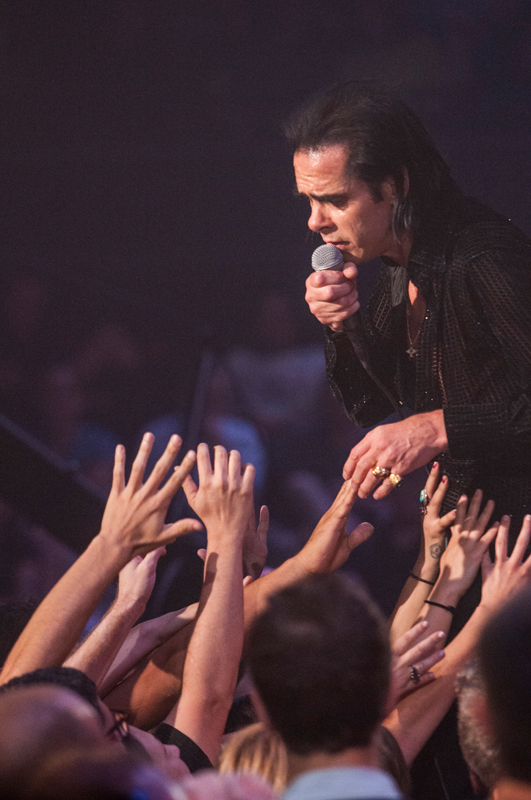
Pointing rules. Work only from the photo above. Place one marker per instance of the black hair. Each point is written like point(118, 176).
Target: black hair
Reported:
point(385, 140)
point(70, 678)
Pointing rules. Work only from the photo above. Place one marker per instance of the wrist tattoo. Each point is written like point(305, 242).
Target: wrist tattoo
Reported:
point(436, 551)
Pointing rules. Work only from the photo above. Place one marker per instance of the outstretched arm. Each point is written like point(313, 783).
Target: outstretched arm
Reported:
point(223, 500)
point(135, 584)
point(133, 523)
point(417, 715)
point(422, 579)
point(155, 687)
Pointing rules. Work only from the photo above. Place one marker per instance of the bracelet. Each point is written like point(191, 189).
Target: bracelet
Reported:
point(422, 580)
point(451, 609)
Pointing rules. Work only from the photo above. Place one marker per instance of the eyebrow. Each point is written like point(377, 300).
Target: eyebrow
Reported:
point(323, 198)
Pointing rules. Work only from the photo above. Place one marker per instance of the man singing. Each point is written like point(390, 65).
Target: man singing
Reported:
point(448, 326)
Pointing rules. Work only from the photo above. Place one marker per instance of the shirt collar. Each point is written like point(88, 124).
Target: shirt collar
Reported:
point(342, 782)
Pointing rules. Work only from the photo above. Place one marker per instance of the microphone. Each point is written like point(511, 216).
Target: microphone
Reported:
point(329, 257)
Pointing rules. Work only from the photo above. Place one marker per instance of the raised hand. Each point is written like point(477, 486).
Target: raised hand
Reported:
point(412, 661)
point(224, 497)
point(466, 548)
point(329, 546)
point(507, 575)
point(135, 512)
point(137, 579)
point(434, 527)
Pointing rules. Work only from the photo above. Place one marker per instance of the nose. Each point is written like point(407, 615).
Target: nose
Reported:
point(319, 221)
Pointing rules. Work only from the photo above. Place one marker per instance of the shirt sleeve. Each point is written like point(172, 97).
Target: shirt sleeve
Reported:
point(363, 401)
point(192, 755)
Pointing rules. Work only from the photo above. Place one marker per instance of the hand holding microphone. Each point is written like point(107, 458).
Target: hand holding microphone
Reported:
point(331, 290)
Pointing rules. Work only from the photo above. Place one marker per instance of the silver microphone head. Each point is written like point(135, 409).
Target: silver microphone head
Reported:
point(327, 257)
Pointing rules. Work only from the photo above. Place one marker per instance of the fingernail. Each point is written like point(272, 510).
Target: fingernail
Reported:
point(425, 623)
point(528, 517)
point(434, 465)
point(444, 479)
point(441, 653)
point(441, 634)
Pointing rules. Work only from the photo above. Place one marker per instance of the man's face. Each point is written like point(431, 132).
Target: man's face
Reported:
point(343, 210)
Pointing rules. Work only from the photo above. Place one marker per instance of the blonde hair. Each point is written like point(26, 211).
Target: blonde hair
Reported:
point(259, 750)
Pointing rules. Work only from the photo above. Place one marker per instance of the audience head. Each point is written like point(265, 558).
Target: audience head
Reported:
point(37, 722)
point(505, 663)
point(257, 749)
point(319, 657)
point(68, 678)
point(475, 737)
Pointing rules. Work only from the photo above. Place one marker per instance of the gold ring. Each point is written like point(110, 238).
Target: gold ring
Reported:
point(380, 472)
point(394, 480)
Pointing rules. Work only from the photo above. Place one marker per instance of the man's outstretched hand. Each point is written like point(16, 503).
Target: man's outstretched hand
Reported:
point(400, 447)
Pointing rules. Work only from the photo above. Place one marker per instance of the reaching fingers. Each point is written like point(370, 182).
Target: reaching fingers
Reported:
point(118, 473)
point(352, 460)
point(139, 464)
point(180, 528)
point(407, 640)
point(247, 479)
point(235, 468)
point(204, 465)
point(437, 496)
point(473, 509)
point(501, 539)
point(176, 480)
point(433, 480)
point(460, 511)
point(447, 519)
point(425, 649)
point(490, 535)
point(263, 524)
point(221, 465)
point(485, 516)
point(430, 661)
point(190, 489)
point(359, 535)
point(522, 541)
point(159, 471)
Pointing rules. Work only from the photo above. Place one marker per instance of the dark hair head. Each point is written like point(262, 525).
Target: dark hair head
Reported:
point(319, 657)
point(70, 678)
point(505, 662)
point(385, 141)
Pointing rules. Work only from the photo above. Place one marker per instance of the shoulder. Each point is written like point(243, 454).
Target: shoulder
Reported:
point(483, 237)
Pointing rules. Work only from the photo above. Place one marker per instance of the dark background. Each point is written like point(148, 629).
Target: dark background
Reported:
point(145, 180)
point(143, 167)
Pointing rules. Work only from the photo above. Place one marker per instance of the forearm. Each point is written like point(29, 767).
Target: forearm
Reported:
point(142, 640)
point(410, 604)
point(416, 716)
point(58, 622)
point(214, 653)
point(96, 654)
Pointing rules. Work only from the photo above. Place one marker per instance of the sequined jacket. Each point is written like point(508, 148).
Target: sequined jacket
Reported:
point(473, 268)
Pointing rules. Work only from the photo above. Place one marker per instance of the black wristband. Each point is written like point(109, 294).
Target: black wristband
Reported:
point(422, 580)
point(451, 609)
